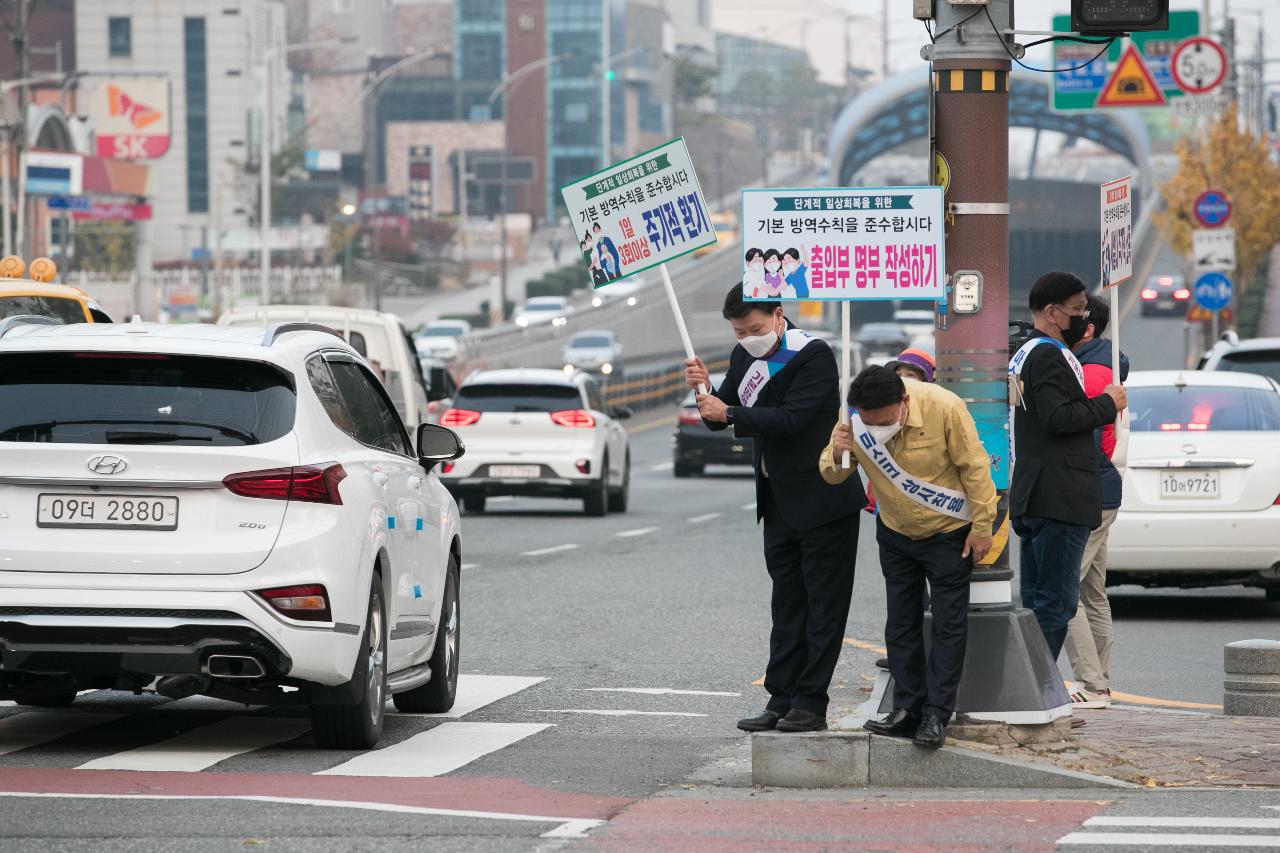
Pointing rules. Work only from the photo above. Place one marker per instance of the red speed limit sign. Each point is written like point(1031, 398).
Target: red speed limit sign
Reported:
point(1199, 65)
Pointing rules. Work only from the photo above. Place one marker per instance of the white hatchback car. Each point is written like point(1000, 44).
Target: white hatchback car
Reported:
point(237, 512)
point(541, 310)
point(1202, 490)
point(539, 433)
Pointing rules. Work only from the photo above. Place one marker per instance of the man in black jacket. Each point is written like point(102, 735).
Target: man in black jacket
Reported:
point(782, 389)
point(1054, 495)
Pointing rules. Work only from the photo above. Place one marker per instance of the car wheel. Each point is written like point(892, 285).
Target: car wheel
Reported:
point(596, 501)
point(687, 469)
point(359, 725)
point(438, 694)
point(474, 503)
point(60, 699)
point(618, 499)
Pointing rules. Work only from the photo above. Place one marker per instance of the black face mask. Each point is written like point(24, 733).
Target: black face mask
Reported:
point(1074, 332)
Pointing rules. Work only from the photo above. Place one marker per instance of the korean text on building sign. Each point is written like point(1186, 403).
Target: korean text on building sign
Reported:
point(882, 243)
point(639, 213)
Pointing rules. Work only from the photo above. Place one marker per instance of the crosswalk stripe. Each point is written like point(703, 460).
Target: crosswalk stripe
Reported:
point(639, 531)
point(205, 746)
point(1167, 839)
point(477, 691)
point(33, 728)
point(437, 751)
point(700, 519)
point(1188, 822)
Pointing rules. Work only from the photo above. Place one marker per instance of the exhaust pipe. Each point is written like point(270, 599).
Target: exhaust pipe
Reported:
point(234, 666)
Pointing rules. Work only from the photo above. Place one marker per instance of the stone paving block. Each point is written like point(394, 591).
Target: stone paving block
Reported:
point(809, 760)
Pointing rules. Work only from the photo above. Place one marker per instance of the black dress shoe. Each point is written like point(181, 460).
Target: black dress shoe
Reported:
point(764, 722)
point(932, 733)
point(898, 723)
point(882, 663)
point(802, 721)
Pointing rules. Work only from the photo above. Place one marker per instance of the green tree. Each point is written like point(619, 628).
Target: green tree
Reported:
point(105, 246)
point(693, 80)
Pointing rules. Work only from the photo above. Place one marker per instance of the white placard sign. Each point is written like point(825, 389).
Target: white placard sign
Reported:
point(639, 213)
point(1213, 249)
point(1117, 232)
point(843, 243)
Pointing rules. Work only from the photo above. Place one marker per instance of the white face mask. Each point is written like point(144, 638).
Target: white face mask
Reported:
point(772, 266)
point(758, 346)
point(884, 434)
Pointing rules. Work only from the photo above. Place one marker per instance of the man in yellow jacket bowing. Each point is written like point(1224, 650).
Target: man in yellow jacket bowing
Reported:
point(919, 446)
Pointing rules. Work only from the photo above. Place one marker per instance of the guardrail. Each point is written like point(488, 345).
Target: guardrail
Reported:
point(656, 386)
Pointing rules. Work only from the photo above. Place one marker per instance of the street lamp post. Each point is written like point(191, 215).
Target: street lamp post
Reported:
point(264, 154)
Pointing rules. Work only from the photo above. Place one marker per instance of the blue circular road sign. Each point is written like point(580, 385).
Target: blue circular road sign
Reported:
point(1212, 208)
point(1213, 291)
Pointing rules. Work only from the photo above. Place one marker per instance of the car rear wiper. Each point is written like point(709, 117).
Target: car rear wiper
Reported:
point(148, 437)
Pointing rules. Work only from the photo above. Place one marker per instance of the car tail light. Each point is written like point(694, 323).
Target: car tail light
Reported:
point(1170, 427)
point(1194, 427)
point(446, 468)
point(583, 466)
point(459, 418)
point(307, 602)
point(1182, 294)
point(1149, 294)
point(310, 483)
point(573, 418)
point(1166, 280)
point(690, 417)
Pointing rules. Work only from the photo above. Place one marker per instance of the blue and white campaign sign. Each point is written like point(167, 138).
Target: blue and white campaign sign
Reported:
point(1213, 291)
point(1117, 232)
point(843, 243)
point(1212, 208)
point(53, 173)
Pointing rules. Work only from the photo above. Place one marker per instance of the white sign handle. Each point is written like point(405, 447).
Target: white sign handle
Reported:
point(845, 346)
point(679, 317)
point(1119, 456)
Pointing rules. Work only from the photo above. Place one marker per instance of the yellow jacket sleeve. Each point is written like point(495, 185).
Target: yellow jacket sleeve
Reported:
point(827, 464)
point(974, 463)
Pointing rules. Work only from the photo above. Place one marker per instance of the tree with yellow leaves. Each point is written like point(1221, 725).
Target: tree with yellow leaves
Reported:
point(1226, 159)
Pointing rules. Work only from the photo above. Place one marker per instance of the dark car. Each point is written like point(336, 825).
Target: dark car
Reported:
point(1165, 295)
point(694, 446)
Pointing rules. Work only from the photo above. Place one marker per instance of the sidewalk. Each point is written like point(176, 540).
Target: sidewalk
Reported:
point(1159, 748)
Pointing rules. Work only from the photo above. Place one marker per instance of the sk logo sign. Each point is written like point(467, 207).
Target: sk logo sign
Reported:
point(139, 115)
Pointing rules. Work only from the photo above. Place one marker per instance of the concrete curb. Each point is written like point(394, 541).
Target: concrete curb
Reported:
point(854, 760)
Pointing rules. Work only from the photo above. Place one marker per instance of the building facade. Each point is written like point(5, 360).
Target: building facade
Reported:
point(739, 57)
point(211, 54)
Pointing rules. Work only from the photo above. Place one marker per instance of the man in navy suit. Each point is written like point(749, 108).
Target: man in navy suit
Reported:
point(782, 389)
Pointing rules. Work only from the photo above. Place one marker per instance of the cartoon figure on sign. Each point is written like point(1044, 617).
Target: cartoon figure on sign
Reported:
point(598, 275)
point(753, 278)
point(588, 247)
point(1106, 259)
point(795, 273)
point(608, 253)
point(772, 273)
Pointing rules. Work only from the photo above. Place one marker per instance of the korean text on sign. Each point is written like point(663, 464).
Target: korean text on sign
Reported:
point(843, 243)
point(639, 213)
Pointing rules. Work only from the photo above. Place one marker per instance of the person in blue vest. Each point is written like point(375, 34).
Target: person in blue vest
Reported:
point(796, 273)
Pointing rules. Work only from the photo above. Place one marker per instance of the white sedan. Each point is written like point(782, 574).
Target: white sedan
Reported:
point(1202, 489)
point(544, 309)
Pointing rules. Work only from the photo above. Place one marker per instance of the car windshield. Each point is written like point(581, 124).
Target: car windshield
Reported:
point(584, 341)
point(1263, 362)
point(132, 398)
point(442, 332)
point(517, 397)
point(1203, 408)
point(60, 308)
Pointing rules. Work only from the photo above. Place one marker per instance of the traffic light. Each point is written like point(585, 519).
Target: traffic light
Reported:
point(1113, 17)
point(609, 74)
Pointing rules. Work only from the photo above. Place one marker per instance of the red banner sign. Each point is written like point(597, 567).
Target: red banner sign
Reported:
point(102, 210)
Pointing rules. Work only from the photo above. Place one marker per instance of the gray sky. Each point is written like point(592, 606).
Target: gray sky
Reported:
point(816, 25)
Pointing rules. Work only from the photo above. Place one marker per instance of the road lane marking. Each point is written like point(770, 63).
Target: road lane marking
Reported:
point(700, 519)
point(555, 549)
point(33, 728)
point(468, 566)
point(751, 505)
point(205, 746)
point(1168, 839)
point(666, 421)
point(662, 466)
point(569, 827)
point(658, 691)
point(1188, 822)
point(477, 691)
point(865, 646)
point(437, 751)
point(598, 712)
point(639, 531)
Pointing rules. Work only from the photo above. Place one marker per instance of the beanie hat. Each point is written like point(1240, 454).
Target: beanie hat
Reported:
point(920, 359)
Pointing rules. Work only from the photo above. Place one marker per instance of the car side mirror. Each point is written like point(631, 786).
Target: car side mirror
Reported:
point(621, 413)
point(437, 444)
point(437, 384)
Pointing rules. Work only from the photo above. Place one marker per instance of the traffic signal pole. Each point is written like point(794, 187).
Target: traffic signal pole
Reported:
point(1009, 675)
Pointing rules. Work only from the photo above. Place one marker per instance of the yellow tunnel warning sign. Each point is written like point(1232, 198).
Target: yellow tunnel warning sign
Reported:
point(1131, 84)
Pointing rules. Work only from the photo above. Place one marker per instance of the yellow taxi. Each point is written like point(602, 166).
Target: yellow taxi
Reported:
point(31, 291)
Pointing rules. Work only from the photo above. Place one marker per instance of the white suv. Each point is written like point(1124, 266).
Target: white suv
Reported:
point(539, 433)
point(237, 512)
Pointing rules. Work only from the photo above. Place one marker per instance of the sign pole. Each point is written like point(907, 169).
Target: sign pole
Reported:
point(845, 346)
point(679, 318)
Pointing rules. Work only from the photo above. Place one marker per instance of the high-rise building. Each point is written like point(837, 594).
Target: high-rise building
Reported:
point(211, 56)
